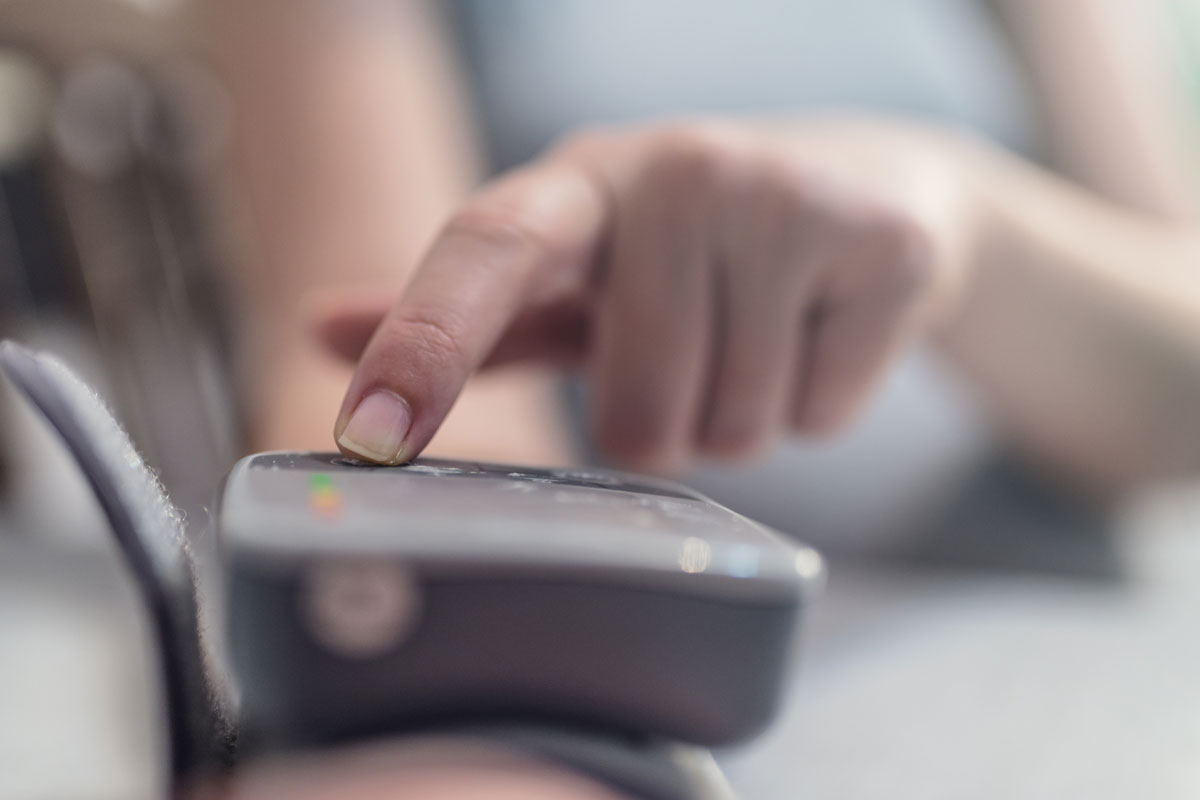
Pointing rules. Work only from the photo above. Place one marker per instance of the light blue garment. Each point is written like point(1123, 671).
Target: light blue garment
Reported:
point(544, 68)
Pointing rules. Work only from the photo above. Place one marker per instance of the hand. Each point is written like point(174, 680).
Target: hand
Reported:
point(722, 282)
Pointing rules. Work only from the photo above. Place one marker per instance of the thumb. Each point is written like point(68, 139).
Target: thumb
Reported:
point(345, 324)
point(556, 334)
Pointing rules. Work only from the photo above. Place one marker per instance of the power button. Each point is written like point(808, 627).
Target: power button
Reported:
point(359, 608)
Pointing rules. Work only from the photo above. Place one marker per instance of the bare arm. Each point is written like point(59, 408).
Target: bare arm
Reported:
point(353, 142)
point(382, 770)
point(1112, 106)
point(1081, 325)
point(1077, 316)
point(1073, 307)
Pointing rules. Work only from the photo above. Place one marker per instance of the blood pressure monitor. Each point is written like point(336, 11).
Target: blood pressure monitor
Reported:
point(364, 599)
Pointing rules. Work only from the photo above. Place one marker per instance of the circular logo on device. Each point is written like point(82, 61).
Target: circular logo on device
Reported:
point(359, 608)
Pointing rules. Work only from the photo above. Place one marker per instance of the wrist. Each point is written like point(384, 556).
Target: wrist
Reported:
point(970, 221)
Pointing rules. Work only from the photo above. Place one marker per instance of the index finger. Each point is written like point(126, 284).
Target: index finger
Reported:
point(471, 284)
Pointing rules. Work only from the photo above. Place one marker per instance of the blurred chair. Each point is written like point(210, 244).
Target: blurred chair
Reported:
point(104, 226)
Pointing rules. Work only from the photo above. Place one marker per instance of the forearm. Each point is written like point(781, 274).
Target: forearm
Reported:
point(352, 144)
point(437, 768)
point(352, 141)
point(1081, 324)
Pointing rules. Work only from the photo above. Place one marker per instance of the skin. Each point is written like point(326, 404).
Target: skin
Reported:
point(430, 769)
point(723, 283)
point(352, 146)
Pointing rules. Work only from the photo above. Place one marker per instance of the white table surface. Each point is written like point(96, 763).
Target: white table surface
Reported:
point(917, 682)
point(940, 684)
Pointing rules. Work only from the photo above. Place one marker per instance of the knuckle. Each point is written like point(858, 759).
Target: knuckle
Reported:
point(817, 418)
point(698, 153)
point(735, 439)
point(504, 231)
point(906, 247)
point(804, 183)
point(812, 200)
point(582, 142)
point(819, 426)
point(641, 438)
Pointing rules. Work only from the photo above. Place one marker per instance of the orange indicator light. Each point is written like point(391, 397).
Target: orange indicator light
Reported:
point(323, 496)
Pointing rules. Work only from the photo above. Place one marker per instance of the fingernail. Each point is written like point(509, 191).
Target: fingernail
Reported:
point(377, 428)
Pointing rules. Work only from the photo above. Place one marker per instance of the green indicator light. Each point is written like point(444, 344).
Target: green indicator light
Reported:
point(323, 497)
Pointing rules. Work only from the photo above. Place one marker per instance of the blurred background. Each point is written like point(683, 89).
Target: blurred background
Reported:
point(984, 631)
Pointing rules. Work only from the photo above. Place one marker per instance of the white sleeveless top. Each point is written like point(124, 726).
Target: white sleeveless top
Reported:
point(542, 68)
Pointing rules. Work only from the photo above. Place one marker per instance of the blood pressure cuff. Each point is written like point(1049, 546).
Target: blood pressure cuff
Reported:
point(635, 767)
point(642, 769)
point(201, 717)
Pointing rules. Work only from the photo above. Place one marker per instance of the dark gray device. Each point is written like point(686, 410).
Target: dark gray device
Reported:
point(366, 599)
point(471, 597)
